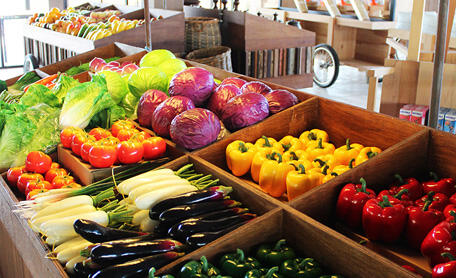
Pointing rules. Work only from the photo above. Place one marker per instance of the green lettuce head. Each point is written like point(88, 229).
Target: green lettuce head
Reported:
point(37, 94)
point(117, 86)
point(144, 79)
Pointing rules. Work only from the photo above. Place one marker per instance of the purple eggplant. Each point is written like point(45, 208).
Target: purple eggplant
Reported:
point(213, 193)
point(201, 239)
point(138, 267)
point(94, 232)
point(109, 254)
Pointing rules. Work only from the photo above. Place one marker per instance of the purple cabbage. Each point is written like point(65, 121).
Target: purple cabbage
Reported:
point(233, 81)
point(244, 110)
point(195, 83)
point(280, 100)
point(255, 87)
point(221, 96)
point(147, 104)
point(166, 111)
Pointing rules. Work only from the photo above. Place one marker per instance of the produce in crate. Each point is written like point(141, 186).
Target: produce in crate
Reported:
point(292, 165)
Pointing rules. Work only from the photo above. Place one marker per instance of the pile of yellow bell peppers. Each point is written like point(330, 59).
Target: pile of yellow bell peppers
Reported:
point(295, 165)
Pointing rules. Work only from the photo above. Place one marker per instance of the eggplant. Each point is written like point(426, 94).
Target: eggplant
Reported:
point(138, 267)
point(212, 193)
point(188, 228)
point(85, 268)
point(109, 254)
point(200, 239)
point(210, 216)
point(94, 232)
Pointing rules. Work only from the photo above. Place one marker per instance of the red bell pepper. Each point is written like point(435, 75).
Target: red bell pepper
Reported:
point(453, 199)
point(351, 201)
point(439, 201)
point(398, 198)
point(445, 186)
point(414, 187)
point(448, 209)
point(445, 270)
point(420, 222)
point(383, 221)
point(442, 238)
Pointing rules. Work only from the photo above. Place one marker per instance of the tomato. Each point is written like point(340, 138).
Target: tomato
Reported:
point(66, 136)
point(129, 152)
point(51, 174)
point(60, 181)
point(85, 148)
point(25, 178)
point(141, 136)
point(99, 133)
point(13, 174)
point(37, 184)
point(78, 140)
point(111, 140)
point(154, 147)
point(38, 162)
point(102, 155)
point(119, 125)
point(72, 185)
point(35, 192)
point(55, 165)
point(126, 134)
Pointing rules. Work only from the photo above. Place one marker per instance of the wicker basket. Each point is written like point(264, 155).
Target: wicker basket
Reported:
point(201, 32)
point(219, 56)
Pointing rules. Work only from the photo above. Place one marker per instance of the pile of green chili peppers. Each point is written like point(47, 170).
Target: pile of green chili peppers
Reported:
point(269, 261)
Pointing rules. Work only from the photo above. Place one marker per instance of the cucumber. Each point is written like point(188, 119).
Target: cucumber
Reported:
point(82, 30)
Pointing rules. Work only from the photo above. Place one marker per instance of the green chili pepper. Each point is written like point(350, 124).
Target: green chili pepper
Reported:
point(152, 274)
point(237, 265)
point(264, 273)
point(274, 255)
point(198, 269)
point(301, 268)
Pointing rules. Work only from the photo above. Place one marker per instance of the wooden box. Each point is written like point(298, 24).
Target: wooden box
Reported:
point(339, 120)
point(428, 150)
point(308, 237)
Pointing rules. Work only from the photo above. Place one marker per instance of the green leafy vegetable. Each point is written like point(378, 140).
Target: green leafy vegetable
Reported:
point(130, 103)
point(144, 79)
point(107, 117)
point(3, 86)
point(117, 87)
point(63, 85)
point(26, 79)
point(83, 102)
point(37, 94)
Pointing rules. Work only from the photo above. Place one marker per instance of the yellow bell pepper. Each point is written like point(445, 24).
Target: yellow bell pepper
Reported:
point(268, 142)
point(307, 164)
point(290, 143)
point(321, 161)
point(318, 148)
point(313, 135)
point(239, 156)
point(273, 175)
point(258, 159)
point(366, 154)
point(344, 154)
point(295, 155)
point(339, 170)
point(299, 181)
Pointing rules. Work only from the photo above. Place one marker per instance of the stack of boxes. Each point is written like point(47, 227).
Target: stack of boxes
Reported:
point(447, 120)
point(418, 114)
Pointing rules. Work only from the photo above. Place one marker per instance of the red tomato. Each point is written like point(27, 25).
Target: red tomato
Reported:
point(78, 140)
point(126, 134)
point(25, 178)
point(51, 174)
point(55, 165)
point(37, 184)
point(102, 155)
point(13, 174)
point(66, 136)
point(154, 147)
point(38, 162)
point(60, 181)
point(119, 125)
point(72, 185)
point(130, 152)
point(35, 192)
point(99, 133)
point(85, 148)
point(141, 136)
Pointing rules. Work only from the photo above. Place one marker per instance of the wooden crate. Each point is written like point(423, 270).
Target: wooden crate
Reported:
point(341, 121)
point(308, 237)
point(428, 150)
point(50, 46)
point(28, 255)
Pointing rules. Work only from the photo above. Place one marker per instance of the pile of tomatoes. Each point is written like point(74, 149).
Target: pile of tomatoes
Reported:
point(123, 144)
point(39, 175)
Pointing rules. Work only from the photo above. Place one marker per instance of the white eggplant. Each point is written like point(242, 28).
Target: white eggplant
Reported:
point(148, 225)
point(65, 204)
point(36, 222)
point(138, 191)
point(64, 226)
point(65, 245)
point(126, 186)
point(69, 266)
point(67, 254)
point(139, 216)
point(146, 201)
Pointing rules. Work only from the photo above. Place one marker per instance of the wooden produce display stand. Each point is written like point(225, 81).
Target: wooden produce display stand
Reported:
point(259, 47)
point(308, 221)
point(50, 47)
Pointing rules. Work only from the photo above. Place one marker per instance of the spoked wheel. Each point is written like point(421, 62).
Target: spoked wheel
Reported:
point(325, 65)
point(30, 63)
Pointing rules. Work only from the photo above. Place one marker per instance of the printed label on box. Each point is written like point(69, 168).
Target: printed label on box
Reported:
point(450, 122)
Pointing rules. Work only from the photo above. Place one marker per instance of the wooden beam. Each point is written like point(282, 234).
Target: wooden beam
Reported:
point(399, 47)
point(416, 30)
point(360, 10)
point(301, 5)
point(332, 8)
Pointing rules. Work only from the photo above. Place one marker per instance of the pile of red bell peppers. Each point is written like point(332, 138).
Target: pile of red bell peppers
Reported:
point(423, 214)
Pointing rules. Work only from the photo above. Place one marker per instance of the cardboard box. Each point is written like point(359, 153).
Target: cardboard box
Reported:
point(442, 112)
point(419, 114)
point(406, 112)
point(450, 122)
